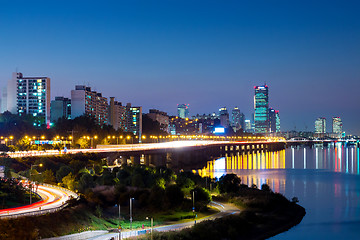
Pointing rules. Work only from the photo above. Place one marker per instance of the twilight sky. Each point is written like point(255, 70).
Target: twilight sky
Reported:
point(208, 54)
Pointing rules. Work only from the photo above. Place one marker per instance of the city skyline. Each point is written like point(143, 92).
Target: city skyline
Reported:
point(207, 55)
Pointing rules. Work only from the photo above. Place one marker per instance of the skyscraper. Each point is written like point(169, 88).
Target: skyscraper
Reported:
point(320, 125)
point(90, 103)
point(134, 120)
point(337, 125)
point(261, 107)
point(224, 117)
point(183, 110)
point(274, 120)
point(33, 97)
point(238, 119)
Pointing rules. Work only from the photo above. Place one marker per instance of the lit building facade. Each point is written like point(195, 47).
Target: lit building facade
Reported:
point(320, 125)
point(274, 121)
point(248, 127)
point(337, 125)
point(238, 119)
point(224, 117)
point(183, 110)
point(261, 107)
point(133, 120)
point(117, 114)
point(90, 103)
point(60, 108)
point(207, 122)
point(33, 98)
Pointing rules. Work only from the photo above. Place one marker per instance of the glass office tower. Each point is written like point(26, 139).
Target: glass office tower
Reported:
point(261, 107)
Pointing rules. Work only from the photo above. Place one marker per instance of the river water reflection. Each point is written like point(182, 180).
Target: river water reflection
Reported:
point(325, 179)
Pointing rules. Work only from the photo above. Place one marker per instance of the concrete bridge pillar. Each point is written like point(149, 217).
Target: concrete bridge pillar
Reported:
point(147, 160)
point(135, 160)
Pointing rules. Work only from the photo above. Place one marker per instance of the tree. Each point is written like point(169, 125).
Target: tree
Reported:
point(69, 181)
point(150, 127)
point(48, 176)
point(265, 188)
point(86, 181)
point(62, 172)
point(229, 183)
point(174, 195)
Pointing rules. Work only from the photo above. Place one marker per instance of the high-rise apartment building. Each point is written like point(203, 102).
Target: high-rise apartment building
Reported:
point(320, 125)
point(261, 107)
point(161, 117)
point(60, 108)
point(33, 97)
point(337, 125)
point(9, 95)
point(224, 117)
point(183, 110)
point(90, 103)
point(117, 114)
point(134, 120)
point(274, 120)
point(238, 119)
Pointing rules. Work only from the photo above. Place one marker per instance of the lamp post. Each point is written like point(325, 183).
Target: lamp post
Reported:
point(119, 224)
point(151, 225)
point(131, 199)
point(92, 141)
point(30, 185)
point(193, 198)
point(42, 137)
point(132, 140)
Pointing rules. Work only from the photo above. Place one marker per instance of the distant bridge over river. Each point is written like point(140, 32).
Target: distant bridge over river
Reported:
point(175, 154)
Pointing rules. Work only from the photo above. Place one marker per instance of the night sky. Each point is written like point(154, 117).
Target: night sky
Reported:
point(208, 54)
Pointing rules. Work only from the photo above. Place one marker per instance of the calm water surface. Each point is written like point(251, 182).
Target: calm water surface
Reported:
point(325, 179)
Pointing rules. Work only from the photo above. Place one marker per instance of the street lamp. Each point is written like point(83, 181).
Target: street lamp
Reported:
point(42, 137)
point(132, 139)
point(131, 199)
point(30, 185)
point(151, 225)
point(119, 224)
point(193, 198)
point(92, 140)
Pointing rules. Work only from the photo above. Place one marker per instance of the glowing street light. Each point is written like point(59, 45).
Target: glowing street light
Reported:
point(30, 185)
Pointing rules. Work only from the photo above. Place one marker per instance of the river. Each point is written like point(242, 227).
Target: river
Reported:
point(326, 180)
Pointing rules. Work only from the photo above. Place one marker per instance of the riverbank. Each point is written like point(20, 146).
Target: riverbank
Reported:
point(264, 214)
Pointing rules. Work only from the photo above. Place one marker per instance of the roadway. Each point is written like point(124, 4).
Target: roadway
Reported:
point(52, 198)
point(132, 147)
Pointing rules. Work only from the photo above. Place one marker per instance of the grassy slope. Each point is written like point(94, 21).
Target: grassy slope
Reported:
point(80, 219)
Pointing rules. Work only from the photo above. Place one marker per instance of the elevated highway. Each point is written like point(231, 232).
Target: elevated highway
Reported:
point(151, 148)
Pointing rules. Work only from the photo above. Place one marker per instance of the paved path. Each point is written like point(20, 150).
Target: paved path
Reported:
point(225, 210)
